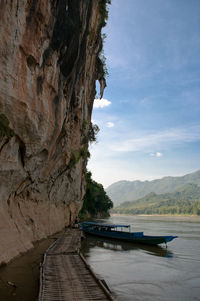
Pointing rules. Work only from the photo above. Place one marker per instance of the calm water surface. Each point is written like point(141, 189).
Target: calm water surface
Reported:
point(136, 272)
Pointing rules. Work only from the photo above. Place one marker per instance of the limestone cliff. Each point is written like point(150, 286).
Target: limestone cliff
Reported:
point(49, 59)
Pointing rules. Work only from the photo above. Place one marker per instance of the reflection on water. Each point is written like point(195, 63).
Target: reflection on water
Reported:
point(150, 273)
point(114, 245)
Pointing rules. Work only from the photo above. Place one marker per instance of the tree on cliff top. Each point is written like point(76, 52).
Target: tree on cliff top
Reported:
point(95, 202)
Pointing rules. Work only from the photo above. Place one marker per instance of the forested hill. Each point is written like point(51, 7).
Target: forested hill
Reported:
point(185, 200)
point(123, 191)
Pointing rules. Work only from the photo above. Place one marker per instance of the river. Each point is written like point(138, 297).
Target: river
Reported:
point(138, 273)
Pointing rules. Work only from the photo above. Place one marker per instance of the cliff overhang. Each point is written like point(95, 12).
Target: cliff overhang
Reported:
point(49, 58)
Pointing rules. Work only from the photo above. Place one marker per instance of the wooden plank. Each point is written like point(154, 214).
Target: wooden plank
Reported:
point(66, 276)
point(69, 242)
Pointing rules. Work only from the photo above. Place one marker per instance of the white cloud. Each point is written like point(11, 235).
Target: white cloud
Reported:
point(147, 141)
point(157, 154)
point(101, 103)
point(110, 124)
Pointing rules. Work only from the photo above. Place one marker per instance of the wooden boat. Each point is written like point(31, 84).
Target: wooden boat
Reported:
point(116, 232)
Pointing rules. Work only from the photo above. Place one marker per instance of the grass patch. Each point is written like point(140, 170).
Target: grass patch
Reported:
point(75, 156)
point(84, 153)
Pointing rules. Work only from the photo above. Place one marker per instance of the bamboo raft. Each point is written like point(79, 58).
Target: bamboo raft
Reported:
point(65, 274)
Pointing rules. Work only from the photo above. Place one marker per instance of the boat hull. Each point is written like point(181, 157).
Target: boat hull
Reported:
point(131, 237)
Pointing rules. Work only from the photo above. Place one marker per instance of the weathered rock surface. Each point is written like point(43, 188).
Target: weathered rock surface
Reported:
point(49, 66)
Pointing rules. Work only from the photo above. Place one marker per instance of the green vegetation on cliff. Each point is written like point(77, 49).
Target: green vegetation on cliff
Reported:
point(185, 200)
point(95, 202)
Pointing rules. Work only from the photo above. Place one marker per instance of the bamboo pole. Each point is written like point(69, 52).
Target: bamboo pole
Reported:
point(99, 282)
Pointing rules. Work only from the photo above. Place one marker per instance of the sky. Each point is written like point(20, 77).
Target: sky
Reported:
point(149, 117)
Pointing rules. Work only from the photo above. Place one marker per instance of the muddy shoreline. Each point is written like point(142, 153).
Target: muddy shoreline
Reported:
point(19, 279)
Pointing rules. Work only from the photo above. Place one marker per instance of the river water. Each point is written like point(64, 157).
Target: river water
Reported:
point(138, 273)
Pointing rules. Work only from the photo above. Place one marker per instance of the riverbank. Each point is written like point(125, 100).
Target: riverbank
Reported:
point(168, 216)
point(19, 279)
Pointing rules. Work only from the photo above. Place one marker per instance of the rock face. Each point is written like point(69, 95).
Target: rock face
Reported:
point(49, 66)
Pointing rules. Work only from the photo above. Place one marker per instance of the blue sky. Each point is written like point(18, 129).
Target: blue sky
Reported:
point(149, 118)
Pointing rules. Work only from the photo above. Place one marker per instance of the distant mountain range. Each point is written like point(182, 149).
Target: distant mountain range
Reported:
point(185, 200)
point(128, 191)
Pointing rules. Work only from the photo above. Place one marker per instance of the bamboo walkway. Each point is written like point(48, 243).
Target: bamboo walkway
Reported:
point(66, 276)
